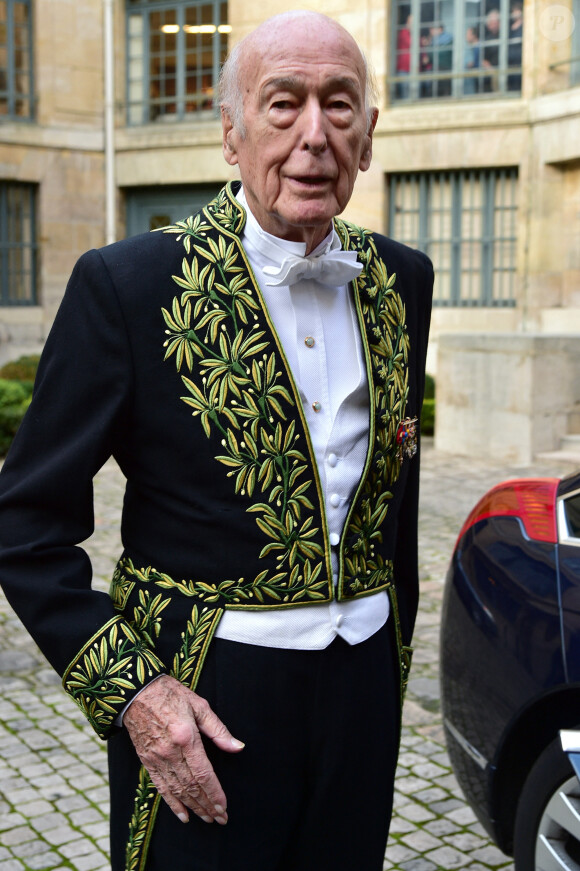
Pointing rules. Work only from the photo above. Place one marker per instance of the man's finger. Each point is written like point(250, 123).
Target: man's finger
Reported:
point(212, 727)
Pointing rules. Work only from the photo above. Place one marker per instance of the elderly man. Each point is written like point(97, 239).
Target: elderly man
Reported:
point(257, 371)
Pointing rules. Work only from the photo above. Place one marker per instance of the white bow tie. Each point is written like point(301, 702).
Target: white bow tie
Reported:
point(334, 268)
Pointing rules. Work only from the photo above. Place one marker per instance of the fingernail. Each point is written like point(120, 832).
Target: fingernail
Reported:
point(207, 819)
point(221, 820)
point(239, 745)
point(183, 817)
point(219, 809)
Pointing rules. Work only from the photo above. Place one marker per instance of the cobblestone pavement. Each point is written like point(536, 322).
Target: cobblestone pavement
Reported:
point(53, 793)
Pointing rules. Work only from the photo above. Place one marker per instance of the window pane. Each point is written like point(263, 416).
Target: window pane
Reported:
point(440, 48)
point(186, 44)
point(466, 222)
point(17, 244)
point(572, 515)
point(15, 59)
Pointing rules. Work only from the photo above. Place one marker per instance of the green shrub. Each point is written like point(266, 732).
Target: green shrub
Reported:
point(23, 369)
point(428, 410)
point(428, 417)
point(14, 400)
point(429, 387)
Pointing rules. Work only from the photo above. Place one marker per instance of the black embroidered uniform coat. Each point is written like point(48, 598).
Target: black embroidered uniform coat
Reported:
point(163, 355)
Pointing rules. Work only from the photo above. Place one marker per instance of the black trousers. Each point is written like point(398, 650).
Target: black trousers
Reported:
point(312, 790)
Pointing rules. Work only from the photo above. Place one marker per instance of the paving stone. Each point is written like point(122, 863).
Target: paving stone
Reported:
point(88, 863)
point(447, 857)
point(489, 855)
point(18, 835)
point(411, 785)
point(465, 841)
point(31, 848)
point(400, 826)
point(398, 853)
point(96, 830)
point(416, 812)
point(48, 821)
point(81, 847)
point(61, 835)
point(441, 827)
point(44, 860)
point(12, 865)
point(445, 807)
point(421, 841)
point(72, 803)
point(418, 864)
point(10, 821)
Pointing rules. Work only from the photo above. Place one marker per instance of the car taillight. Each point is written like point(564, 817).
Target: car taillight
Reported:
point(533, 500)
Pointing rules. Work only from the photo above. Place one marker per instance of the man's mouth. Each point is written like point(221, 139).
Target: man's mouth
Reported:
point(314, 180)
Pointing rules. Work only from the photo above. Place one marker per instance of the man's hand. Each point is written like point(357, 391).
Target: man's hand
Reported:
point(164, 723)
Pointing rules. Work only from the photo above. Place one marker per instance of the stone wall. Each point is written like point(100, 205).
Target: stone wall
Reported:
point(506, 397)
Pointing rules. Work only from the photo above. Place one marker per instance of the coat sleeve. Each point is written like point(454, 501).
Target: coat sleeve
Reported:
point(79, 413)
point(406, 568)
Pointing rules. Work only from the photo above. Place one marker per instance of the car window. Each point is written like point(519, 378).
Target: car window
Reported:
point(569, 517)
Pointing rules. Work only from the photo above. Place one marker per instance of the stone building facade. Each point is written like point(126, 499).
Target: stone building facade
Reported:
point(108, 126)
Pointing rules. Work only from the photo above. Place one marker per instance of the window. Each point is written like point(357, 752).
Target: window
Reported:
point(466, 223)
point(569, 518)
point(17, 244)
point(441, 48)
point(575, 65)
point(174, 53)
point(149, 208)
point(16, 59)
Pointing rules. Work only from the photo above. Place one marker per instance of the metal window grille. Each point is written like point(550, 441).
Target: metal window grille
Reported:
point(440, 48)
point(174, 54)
point(16, 85)
point(466, 222)
point(18, 248)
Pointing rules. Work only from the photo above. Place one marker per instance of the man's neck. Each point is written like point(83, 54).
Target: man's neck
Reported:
point(311, 237)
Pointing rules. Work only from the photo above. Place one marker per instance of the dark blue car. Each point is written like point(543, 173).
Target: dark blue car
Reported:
point(510, 667)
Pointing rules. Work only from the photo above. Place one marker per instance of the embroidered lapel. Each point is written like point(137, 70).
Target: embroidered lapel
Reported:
point(240, 387)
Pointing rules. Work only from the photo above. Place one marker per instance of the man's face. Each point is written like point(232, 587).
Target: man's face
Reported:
point(492, 21)
point(306, 129)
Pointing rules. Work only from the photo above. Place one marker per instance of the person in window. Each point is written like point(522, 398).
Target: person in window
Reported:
point(257, 370)
point(472, 61)
point(514, 56)
point(442, 43)
point(426, 61)
point(404, 58)
point(491, 49)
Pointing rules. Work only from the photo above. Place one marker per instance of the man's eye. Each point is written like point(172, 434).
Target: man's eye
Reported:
point(282, 104)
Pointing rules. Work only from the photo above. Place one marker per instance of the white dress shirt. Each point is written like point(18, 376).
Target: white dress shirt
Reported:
point(319, 333)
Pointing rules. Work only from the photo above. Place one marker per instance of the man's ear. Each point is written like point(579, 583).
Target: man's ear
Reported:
point(228, 139)
point(367, 151)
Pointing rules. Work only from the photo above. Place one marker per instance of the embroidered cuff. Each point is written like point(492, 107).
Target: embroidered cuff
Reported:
point(110, 669)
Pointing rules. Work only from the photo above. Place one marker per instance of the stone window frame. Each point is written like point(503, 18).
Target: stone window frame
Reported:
point(466, 221)
point(175, 50)
point(16, 60)
point(421, 70)
point(18, 244)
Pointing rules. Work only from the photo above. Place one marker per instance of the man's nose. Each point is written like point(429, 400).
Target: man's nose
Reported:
point(314, 127)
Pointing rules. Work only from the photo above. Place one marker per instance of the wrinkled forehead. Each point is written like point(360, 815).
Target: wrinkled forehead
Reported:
point(302, 48)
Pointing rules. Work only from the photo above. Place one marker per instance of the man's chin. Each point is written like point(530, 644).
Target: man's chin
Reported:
point(313, 212)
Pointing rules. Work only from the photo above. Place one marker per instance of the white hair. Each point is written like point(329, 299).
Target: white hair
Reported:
point(231, 98)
